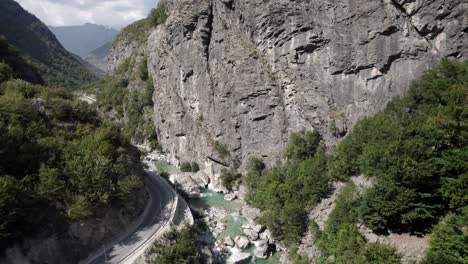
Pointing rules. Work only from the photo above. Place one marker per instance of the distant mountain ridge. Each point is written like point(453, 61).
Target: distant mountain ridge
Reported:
point(83, 39)
point(97, 57)
point(32, 38)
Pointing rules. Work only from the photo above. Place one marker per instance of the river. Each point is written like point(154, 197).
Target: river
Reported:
point(232, 218)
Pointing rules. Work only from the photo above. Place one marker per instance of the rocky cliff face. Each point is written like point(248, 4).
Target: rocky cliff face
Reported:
point(243, 74)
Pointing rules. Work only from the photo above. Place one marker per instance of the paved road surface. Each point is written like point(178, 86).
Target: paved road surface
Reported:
point(156, 216)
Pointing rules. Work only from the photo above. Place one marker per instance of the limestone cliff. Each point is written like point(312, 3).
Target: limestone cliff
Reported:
point(240, 75)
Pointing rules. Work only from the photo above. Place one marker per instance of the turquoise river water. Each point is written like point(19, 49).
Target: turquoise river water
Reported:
point(233, 220)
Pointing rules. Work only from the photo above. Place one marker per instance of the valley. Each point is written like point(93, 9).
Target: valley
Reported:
point(237, 131)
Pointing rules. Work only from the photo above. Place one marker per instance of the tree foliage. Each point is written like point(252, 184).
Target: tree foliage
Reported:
point(416, 149)
point(285, 191)
point(180, 247)
point(158, 15)
point(341, 241)
point(449, 240)
point(57, 157)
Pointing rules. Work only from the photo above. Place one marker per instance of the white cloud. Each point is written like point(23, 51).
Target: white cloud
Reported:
point(116, 13)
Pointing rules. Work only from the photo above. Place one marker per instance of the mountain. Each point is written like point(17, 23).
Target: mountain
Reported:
point(97, 57)
point(84, 39)
point(244, 74)
point(261, 93)
point(21, 68)
point(32, 38)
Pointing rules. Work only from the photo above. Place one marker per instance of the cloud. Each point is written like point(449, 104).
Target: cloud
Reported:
point(115, 13)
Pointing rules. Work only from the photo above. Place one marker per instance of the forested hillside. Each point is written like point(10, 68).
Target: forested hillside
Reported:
point(416, 154)
point(33, 39)
point(126, 95)
point(59, 161)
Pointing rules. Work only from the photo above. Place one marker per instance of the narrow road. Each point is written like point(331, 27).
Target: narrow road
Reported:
point(157, 215)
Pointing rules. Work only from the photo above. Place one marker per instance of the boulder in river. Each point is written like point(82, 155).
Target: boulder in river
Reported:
point(251, 234)
point(228, 241)
point(239, 258)
point(259, 228)
point(201, 179)
point(186, 184)
point(230, 197)
point(250, 214)
point(242, 242)
point(266, 235)
point(261, 249)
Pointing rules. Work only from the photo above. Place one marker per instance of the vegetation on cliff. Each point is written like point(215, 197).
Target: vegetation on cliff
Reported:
point(126, 98)
point(449, 240)
point(287, 190)
point(416, 153)
point(139, 30)
point(341, 239)
point(178, 246)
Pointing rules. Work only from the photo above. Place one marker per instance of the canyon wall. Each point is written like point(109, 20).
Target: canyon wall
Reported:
point(233, 78)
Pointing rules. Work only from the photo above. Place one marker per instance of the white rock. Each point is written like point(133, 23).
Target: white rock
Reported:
point(242, 242)
point(220, 226)
point(230, 197)
point(261, 249)
point(228, 241)
point(201, 179)
point(251, 234)
point(259, 228)
point(250, 213)
point(266, 235)
point(239, 258)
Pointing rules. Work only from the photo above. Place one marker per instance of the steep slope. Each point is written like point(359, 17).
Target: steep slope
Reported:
point(238, 76)
point(82, 40)
point(97, 57)
point(52, 144)
point(28, 34)
point(20, 67)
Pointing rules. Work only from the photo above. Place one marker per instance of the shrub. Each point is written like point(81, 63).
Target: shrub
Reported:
point(195, 167)
point(185, 167)
point(11, 208)
point(221, 149)
point(158, 15)
point(164, 174)
point(286, 191)
point(303, 145)
point(142, 71)
point(181, 249)
point(6, 72)
point(229, 178)
point(449, 240)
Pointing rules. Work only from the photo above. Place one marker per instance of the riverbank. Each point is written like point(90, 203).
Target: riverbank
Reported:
point(226, 229)
point(229, 232)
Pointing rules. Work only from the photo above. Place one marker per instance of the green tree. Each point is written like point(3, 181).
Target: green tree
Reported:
point(415, 150)
point(11, 209)
point(158, 15)
point(302, 145)
point(181, 249)
point(6, 72)
point(449, 240)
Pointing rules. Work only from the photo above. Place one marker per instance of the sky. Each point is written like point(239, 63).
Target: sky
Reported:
point(112, 13)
